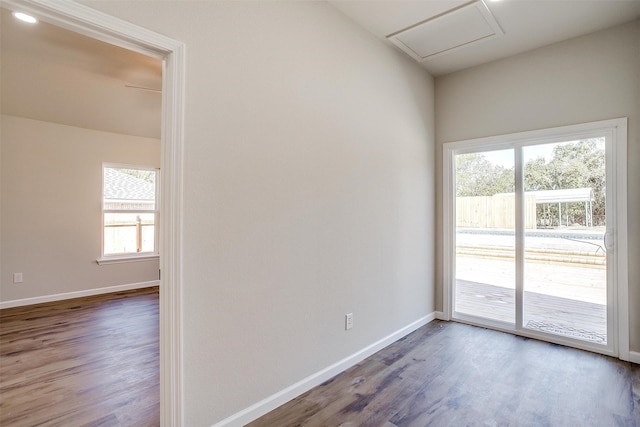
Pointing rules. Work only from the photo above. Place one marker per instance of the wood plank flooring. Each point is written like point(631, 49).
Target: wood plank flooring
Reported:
point(451, 374)
point(90, 361)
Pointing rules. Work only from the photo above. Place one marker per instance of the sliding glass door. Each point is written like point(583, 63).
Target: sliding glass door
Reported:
point(530, 237)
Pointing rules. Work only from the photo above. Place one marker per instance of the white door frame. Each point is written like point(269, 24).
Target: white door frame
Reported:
point(616, 154)
point(104, 27)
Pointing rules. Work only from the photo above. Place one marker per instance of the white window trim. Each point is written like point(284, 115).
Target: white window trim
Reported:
point(117, 259)
point(616, 154)
point(138, 256)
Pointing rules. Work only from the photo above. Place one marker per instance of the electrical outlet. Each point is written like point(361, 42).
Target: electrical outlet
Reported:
point(348, 321)
point(17, 277)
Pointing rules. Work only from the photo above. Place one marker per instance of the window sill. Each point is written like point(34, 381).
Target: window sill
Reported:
point(126, 258)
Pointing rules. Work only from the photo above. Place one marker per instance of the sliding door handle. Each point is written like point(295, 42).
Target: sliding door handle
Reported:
point(608, 241)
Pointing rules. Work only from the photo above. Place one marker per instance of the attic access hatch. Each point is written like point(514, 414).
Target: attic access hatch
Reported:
point(462, 26)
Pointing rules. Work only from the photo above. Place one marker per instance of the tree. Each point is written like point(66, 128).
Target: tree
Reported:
point(537, 176)
point(477, 176)
point(144, 174)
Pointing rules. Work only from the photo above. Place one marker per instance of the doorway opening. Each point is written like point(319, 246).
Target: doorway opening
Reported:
point(97, 25)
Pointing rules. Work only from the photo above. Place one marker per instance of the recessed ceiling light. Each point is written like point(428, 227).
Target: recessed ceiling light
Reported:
point(25, 18)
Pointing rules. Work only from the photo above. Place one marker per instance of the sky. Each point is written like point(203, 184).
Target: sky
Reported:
point(505, 157)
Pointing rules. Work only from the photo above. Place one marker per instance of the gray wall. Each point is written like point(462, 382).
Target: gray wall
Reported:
point(51, 201)
point(309, 188)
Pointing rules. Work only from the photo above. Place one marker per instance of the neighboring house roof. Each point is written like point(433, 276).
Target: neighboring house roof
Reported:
point(122, 186)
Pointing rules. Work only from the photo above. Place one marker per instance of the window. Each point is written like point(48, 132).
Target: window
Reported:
point(129, 212)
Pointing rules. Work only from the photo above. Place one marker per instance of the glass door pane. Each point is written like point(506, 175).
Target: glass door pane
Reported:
point(565, 277)
point(485, 236)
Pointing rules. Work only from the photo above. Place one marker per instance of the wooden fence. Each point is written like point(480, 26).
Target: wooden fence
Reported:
point(493, 211)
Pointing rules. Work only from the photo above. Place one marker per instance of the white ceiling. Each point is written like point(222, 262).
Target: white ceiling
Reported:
point(51, 74)
point(527, 24)
point(55, 75)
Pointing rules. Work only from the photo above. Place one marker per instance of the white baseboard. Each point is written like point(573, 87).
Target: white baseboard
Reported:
point(77, 294)
point(440, 315)
point(634, 357)
point(272, 402)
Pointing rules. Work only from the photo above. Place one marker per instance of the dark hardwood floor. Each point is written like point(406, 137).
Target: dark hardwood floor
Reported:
point(95, 362)
point(450, 374)
point(90, 361)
